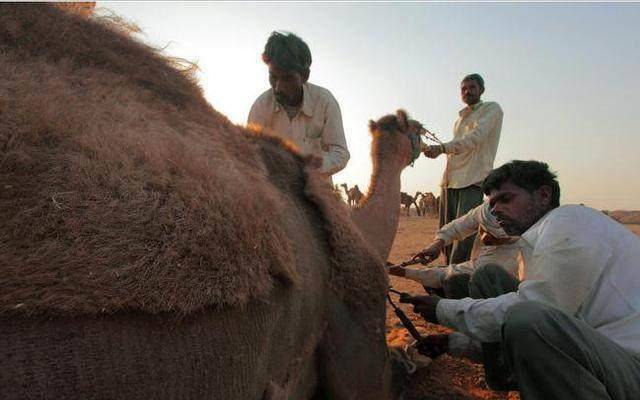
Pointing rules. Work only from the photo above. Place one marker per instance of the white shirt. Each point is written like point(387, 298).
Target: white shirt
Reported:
point(316, 129)
point(471, 153)
point(477, 220)
point(575, 259)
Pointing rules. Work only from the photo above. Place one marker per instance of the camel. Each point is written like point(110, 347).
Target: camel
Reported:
point(406, 200)
point(153, 249)
point(428, 204)
point(354, 195)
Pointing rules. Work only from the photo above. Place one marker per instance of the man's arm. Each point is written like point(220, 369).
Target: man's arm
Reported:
point(565, 264)
point(462, 227)
point(335, 154)
point(484, 126)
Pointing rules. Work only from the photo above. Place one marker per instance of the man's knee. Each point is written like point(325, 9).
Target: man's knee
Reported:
point(490, 270)
point(491, 280)
point(526, 323)
point(456, 286)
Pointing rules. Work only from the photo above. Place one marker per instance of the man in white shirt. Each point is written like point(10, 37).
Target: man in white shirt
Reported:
point(306, 114)
point(571, 330)
point(492, 246)
point(470, 157)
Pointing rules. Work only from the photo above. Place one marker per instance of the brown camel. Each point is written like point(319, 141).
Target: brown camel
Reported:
point(406, 200)
point(354, 195)
point(153, 249)
point(428, 204)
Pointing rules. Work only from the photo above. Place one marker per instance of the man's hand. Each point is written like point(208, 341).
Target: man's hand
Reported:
point(397, 271)
point(431, 252)
point(433, 150)
point(433, 346)
point(423, 305)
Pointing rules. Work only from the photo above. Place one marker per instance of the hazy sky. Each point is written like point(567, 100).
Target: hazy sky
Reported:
point(566, 75)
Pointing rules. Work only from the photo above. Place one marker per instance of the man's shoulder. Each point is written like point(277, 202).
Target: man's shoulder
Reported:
point(491, 106)
point(574, 220)
point(320, 93)
point(569, 211)
point(262, 108)
point(266, 98)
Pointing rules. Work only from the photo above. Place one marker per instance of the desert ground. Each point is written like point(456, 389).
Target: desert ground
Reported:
point(446, 378)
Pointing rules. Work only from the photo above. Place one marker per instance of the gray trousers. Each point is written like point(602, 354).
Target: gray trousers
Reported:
point(458, 203)
point(549, 355)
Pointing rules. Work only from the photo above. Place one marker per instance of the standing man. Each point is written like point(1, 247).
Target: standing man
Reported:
point(306, 114)
point(470, 157)
point(570, 329)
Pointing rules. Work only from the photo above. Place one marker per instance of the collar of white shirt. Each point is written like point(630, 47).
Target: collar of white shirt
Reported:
point(307, 102)
point(469, 109)
point(530, 237)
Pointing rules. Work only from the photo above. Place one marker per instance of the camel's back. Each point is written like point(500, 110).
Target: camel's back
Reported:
point(122, 188)
point(141, 228)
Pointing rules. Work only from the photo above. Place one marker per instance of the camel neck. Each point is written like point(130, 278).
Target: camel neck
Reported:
point(378, 215)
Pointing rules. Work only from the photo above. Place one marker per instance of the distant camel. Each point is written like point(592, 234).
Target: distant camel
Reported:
point(428, 204)
point(407, 200)
point(354, 195)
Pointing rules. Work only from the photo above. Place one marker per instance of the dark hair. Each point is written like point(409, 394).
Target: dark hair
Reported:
point(287, 51)
point(475, 77)
point(529, 175)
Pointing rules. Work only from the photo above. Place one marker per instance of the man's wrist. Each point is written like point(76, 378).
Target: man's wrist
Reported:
point(443, 149)
point(431, 314)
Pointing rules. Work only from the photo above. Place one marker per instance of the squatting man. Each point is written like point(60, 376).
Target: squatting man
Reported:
point(570, 327)
point(492, 245)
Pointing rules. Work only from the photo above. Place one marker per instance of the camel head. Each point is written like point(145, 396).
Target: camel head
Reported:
point(396, 139)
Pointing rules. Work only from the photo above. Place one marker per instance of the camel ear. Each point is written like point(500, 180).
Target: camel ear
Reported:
point(403, 120)
point(372, 125)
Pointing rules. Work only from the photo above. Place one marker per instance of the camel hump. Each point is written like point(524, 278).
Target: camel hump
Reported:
point(122, 189)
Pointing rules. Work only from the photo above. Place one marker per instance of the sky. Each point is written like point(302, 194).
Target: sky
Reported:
point(567, 76)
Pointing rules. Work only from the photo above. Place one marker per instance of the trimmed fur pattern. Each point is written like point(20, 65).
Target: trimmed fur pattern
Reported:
point(122, 189)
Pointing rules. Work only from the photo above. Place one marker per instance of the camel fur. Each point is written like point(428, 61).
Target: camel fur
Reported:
point(144, 232)
point(122, 189)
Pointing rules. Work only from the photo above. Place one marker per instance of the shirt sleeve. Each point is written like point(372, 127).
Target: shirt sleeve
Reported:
point(427, 276)
point(484, 126)
point(565, 263)
point(462, 227)
point(335, 154)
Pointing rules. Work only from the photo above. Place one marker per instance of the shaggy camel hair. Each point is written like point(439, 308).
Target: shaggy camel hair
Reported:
point(150, 248)
point(121, 188)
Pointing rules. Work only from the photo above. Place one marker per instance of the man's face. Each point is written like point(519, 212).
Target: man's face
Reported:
point(516, 209)
point(470, 92)
point(286, 85)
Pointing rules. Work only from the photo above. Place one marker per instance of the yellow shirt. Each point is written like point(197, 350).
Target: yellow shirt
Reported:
point(471, 153)
point(316, 129)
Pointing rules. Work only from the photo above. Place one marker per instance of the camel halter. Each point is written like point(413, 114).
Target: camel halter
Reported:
point(416, 141)
point(416, 146)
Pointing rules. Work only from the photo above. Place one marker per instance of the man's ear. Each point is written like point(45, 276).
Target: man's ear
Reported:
point(305, 75)
point(481, 91)
point(544, 194)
